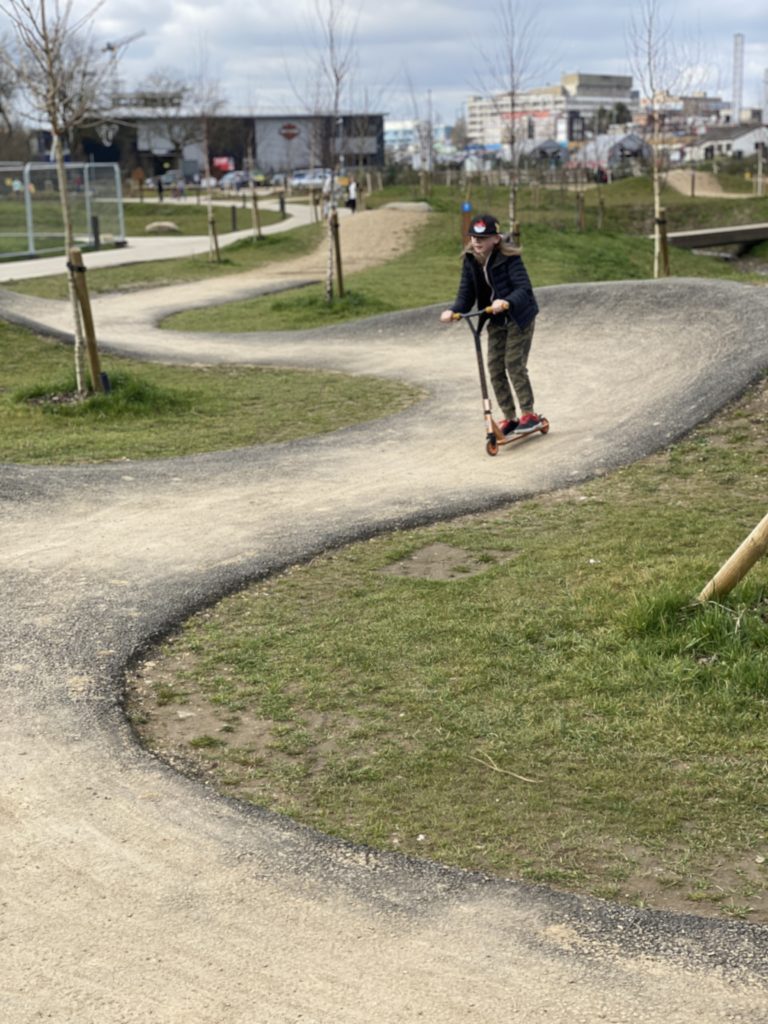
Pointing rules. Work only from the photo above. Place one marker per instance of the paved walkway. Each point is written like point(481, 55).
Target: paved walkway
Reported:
point(133, 895)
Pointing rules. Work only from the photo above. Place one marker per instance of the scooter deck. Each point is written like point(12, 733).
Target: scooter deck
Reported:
point(496, 440)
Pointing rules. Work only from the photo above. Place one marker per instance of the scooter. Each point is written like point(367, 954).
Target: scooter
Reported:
point(494, 437)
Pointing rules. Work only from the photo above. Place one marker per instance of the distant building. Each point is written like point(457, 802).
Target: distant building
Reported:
point(682, 115)
point(726, 141)
point(166, 137)
point(420, 144)
point(561, 112)
point(613, 154)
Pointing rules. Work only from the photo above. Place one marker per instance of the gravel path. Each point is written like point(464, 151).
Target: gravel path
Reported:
point(131, 894)
point(704, 185)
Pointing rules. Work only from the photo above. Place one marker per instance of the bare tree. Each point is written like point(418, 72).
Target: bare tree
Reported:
point(424, 137)
point(63, 75)
point(207, 100)
point(9, 84)
point(662, 67)
point(334, 62)
point(361, 129)
point(166, 97)
point(15, 138)
point(506, 75)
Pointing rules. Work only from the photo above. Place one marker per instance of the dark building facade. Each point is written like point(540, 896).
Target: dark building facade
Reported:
point(270, 144)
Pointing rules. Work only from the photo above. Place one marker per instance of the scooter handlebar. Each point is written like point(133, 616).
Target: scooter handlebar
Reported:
point(488, 310)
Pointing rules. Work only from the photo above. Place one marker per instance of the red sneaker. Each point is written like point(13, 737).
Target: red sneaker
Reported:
point(528, 421)
point(508, 426)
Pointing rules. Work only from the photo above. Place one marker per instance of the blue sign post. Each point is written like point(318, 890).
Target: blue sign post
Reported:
point(466, 217)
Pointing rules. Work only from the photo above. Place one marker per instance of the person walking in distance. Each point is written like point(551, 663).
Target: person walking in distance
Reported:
point(493, 275)
point(352, 195)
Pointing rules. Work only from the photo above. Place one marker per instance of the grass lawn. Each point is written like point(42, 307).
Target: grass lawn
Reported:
point(159, 411)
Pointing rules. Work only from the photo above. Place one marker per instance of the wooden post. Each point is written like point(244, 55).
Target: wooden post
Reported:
point(760, 187)
point(337, 250)
point(739, 564)
point(81, 290)
point(580, 218)
point(256, 213)
point(213, 238)
point(662, 222)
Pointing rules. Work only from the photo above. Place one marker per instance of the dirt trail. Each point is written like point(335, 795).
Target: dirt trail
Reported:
point(368, 239)
point(705, 185)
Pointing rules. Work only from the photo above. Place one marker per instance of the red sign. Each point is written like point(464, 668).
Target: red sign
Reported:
point(289, 131)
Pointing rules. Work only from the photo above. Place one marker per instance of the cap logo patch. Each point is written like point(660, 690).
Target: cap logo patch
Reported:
point(480, 226)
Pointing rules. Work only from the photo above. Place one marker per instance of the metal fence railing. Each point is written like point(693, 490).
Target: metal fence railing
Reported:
point(31, 222)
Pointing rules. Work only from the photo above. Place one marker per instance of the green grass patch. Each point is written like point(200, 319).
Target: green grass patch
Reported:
point(162, 411)
point(569, 715)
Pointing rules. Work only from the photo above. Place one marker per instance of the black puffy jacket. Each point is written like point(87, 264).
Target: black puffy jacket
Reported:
point(504, 277)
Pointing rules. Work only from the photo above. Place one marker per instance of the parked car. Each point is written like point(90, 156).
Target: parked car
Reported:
point(234, 180)
point(315, 178)
point(170, 178)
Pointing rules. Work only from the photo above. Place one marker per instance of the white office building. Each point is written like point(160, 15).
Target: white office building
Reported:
point(560, 112)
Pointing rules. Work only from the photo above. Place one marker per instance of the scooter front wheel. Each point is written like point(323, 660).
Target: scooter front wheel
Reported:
point(492, 446)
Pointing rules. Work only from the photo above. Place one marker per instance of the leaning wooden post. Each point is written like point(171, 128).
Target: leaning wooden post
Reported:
point(81, 290)
point(739, 564)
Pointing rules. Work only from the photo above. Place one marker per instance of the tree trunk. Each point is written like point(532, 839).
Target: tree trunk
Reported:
point(329, 266)
point(656, 219)
point(656, 179)
point(69, 241)
point(213, 242)
point(512, 202)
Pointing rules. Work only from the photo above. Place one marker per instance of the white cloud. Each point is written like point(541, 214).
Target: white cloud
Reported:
point(436, 47)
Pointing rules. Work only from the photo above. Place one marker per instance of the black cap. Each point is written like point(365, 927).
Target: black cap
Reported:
point(483, 225)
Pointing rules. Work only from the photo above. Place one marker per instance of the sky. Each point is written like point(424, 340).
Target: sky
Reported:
point(412, 57)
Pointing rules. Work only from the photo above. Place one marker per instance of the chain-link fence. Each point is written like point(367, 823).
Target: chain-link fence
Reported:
point(31, 222)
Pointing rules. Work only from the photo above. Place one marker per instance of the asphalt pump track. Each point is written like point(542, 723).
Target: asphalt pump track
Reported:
point(132, 894)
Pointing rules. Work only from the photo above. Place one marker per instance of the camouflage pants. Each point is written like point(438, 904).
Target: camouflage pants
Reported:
point(508, 349)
